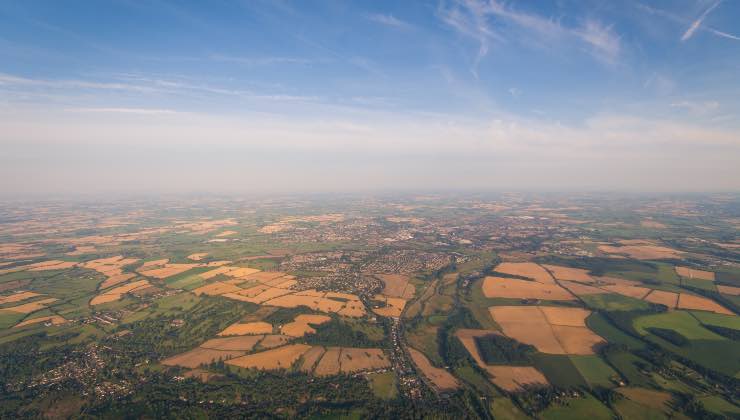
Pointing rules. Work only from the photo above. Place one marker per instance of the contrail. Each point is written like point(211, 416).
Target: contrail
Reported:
point(695, 25)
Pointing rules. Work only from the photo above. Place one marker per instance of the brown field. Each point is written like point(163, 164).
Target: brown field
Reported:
point(197, 257)
point(652, 224)
point(647, 397)
point(694, 274)
point(105, 298)
point(576, 340)
point(264, 276)
point(514, 378)
point(568, 273)
point(551, 330)
point(525, 269)
point(686, 301)
point(311, 357)
point(240, 298)
point(128, 287)
point(523, 289)
point(215, 272)
point(249, 328)
point(579, 289)
point(168, 270)
point(116, 279)
point(226, 233)
point(254, 291)
point(201, 375)
point(642, 252)
point(200, 356)
point(279, 358)
point(216, 288)
point(154, 263)
point(467, 338)
point(329, 363)
point(573, 317)
point(241, 272)
point(30, 307)
point(53, 319)
point(310, 292)
point(274, 340)
point(82, 250)
point(300, 325)
point(441, 379)
point(357, 359)
point(286, 284)
point(245, 343)
point(17, 297)
point(61, 266)
point(271, 293)
point(729, 290)
point(396, 285)
point(353, 309)
point(631, 291)
point(394, 306)
point(661, 297)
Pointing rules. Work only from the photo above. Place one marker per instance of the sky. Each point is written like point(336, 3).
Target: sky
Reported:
point(281, 96)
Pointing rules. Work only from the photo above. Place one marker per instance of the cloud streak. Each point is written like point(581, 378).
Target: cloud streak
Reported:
point(697, 23)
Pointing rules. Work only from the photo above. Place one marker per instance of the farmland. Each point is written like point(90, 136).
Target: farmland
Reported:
point(373, 308)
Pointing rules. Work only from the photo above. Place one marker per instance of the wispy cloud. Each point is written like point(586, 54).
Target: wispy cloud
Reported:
point(487, 21)
point(699, 108)
point(697, 23)
point(259, 61)
point(388, 20)
point(132, 111)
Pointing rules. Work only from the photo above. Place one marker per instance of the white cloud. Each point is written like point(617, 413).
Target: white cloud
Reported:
point(699, 108)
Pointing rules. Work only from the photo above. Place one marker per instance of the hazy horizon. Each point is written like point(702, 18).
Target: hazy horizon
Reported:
point(286, 97)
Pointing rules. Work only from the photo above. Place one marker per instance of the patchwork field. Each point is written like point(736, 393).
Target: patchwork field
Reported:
point(52, 320)
point(279, 358)
point(523, 289)
point(550, 330)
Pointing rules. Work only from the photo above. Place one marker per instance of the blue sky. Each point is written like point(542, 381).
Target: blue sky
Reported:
point(377, 95)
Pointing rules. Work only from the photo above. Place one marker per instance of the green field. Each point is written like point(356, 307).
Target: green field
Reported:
point(586, 408)
point(559, 370)
point(504, 408)
point(595, 371)
point(613, 302)
point(679, 321)
point(384, 385)
point(720, 320)
point(598, 324)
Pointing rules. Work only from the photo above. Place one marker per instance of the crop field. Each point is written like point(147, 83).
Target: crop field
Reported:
point(248, 328)
point(393, 306)
point(515, 378)
point(523, 289)
point(642, 252)
point(668, 299)
point(585, 407)
point(51, 319)
point(279, 358)
point(200, 356)
point(311, 358)
point(396, 285)
point(243, 343)
point(687, 301)
point(569, 273)
point(302, 325)
point(441, 378)
point(694, 274)
point(527, 269)
point(550, 330)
